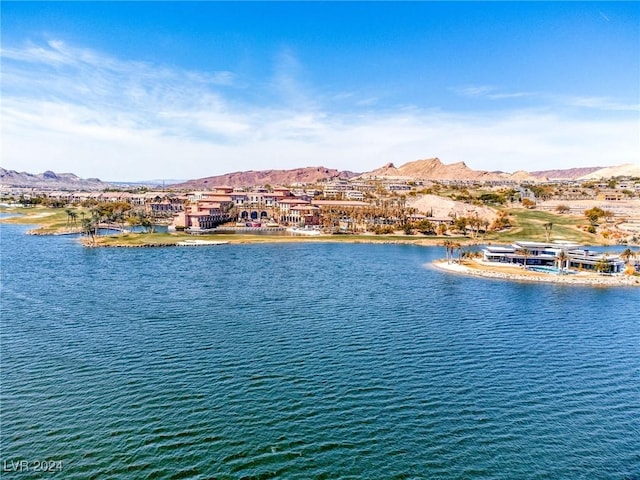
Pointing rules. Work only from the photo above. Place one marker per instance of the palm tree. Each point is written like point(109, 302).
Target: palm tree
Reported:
point(146, 223)
point(68, 211)
point(475, 222)
point(562, 258)
point(525, 255)
point(447, 249)
point(90, 227)
point(626, 255)
point(485, 224)
point(458, 246)
point(547, 229)
point(95, 220)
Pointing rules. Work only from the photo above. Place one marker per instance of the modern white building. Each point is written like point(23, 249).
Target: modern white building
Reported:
point(554, 254)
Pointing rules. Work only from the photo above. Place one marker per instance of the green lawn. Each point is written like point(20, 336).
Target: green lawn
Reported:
point(528, 225)
point(49, 220)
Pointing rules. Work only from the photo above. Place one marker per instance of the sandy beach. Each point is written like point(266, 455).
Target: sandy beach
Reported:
point(480, 269)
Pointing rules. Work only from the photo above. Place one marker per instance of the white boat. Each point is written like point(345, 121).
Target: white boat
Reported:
point(304, 231)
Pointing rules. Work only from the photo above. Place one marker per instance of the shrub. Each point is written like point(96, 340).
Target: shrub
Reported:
point(593, 214)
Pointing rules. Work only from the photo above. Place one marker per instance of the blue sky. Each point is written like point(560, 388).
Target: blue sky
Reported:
point(132, 91)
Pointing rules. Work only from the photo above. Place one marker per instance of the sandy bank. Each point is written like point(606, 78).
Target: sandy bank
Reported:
point(478, 269)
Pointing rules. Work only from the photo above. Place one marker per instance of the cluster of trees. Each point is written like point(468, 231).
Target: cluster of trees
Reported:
point(108, 214)
point(384, 219)
point(425, 227)
point(39, 200)
point(594, 215)
point(543, 192)
point(473, 224)
point(585, 189)
point(492, 199)
point(450, 248)
point(485, 198)
point(453, 249)
point(370, 218)
point(501, 222)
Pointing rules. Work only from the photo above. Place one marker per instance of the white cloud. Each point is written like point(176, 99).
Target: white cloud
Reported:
point(602, 103)
point(596, 103)
point(474, 90)
point(70, 109)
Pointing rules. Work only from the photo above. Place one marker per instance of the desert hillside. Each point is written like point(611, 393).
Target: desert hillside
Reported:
point(440, 207)
point(564, 174)
point(428, 169)
point(434, 169)
point(626, 170)
point(264, 177)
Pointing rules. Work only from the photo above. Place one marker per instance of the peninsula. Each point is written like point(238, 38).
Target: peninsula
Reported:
point(557, 262)
point(477, 268)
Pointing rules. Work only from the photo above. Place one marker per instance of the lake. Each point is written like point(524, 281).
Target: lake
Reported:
point(307, 361)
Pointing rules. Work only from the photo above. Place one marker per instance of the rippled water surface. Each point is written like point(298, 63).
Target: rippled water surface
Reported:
point(307, 361)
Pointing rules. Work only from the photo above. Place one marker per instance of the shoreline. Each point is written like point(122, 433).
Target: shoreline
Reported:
point(46, 226)
point(53, 222)
point(475, 269)
point(243, 239)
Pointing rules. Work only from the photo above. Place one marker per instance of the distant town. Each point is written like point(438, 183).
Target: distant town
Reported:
point(381, 202)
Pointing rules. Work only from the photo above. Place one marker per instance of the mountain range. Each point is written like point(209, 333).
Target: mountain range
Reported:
point(428, 169)
point(265, 177)
point(49, 180)
point(434, 169)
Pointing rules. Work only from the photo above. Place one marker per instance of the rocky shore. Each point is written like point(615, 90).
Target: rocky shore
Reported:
point(478, 269)
point(131, 245)
point(173, 240)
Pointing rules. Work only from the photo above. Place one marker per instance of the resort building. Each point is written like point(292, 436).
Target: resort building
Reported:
point(199, 216)
point(562, 255)
point(335, 188)
point(354, 195)
point(292, 210)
